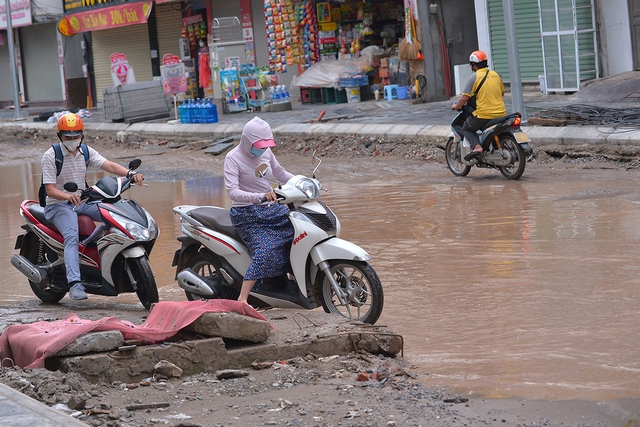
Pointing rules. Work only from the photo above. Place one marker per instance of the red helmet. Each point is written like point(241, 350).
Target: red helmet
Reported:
point(477, 56)
point(70, 125)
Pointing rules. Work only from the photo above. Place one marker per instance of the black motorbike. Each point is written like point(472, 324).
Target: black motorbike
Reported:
point(506, 146)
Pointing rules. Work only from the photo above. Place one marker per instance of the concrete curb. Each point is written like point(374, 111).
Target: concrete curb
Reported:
point(17, 409)
point(568, 135)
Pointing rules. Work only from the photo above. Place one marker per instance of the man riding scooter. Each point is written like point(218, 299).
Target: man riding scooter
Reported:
point(486, 89)
point(65, 162)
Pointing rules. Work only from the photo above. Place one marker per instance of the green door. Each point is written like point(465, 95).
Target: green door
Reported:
point(527, 25)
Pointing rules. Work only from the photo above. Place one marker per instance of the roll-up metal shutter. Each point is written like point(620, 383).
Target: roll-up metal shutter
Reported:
point(133, 41)
point(169, 23)
point(527, 21)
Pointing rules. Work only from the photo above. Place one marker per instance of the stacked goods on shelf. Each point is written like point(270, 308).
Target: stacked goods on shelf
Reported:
point(382, 76)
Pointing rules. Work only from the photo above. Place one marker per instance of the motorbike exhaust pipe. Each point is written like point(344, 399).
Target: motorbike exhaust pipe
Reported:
point(33, 273)
point(191, 282)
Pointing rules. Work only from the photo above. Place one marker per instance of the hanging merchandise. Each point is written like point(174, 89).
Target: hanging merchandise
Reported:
point(204, 66)
point(308, 28)
point(282, 34)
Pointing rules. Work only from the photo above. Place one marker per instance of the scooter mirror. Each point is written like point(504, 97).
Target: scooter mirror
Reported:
point(134, 164)
point(71, 187)
point(261, 170)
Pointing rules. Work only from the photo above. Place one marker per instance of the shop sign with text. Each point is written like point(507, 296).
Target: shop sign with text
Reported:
point(100, 19)
point(20, 14)
point(72, 6)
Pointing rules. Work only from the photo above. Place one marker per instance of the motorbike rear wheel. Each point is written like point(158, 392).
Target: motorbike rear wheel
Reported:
point(454, 159)
point(147, 290)
point(362, 286)
point(515, 169)
point(44, 295)
point(209, 271)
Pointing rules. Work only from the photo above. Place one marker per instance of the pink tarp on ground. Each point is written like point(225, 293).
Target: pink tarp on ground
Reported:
point(29, 345)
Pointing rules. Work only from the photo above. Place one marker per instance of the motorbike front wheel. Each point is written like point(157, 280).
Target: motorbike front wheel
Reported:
point(360, 283)
point(146, 288)
point(454, 159)
point(515, 169)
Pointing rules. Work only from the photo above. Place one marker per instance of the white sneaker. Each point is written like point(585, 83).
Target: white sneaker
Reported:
point(77, 292)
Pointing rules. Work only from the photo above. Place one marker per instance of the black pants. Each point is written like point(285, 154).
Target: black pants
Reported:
point(471, 125)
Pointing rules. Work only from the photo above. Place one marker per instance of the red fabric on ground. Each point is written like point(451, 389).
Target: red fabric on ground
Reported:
point(29, 345)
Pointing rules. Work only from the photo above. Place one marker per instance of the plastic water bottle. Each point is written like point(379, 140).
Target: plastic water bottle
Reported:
point(190, 111)
point(211, 111)
point(285, 94)
point(278, 94)
point(272, 94)
point(198, 111)
point(182, 110)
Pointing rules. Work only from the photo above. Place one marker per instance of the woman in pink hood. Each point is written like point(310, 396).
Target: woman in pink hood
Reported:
point(263, 226)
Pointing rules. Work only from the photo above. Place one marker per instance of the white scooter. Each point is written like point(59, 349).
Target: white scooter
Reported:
point(327, 271)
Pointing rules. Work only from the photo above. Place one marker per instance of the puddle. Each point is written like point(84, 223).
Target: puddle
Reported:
point(499, 288)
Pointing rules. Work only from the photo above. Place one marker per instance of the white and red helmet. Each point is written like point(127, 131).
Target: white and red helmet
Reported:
point(477, 56)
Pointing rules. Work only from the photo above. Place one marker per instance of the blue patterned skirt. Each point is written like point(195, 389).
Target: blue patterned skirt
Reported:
point(268, 233)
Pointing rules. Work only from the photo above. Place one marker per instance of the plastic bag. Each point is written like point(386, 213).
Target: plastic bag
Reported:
point(327, 73)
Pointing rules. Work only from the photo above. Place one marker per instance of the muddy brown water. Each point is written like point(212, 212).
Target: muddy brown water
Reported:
point(499, 288)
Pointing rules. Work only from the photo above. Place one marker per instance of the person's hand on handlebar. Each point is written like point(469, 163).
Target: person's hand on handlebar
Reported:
point(270, 197)
point(136, 177)
point(74, 199)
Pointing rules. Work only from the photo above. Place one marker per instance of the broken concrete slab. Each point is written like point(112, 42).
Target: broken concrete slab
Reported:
point(219, 148)
point(295, 334)
point(95, 342)
point(231, 325)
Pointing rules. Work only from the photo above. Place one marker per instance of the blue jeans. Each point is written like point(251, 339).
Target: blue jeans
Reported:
point(65, 219)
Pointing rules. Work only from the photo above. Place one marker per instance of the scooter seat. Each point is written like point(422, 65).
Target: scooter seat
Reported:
point(38, 212)
point(216, 219)
point(85, 223)
point(500, 119)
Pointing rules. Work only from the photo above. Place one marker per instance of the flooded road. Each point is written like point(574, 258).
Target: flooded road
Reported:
point(500, 288)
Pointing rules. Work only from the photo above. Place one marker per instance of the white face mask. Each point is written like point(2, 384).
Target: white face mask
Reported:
point(72, 144)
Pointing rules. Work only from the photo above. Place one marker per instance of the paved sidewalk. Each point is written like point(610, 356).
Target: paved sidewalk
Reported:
point(19, 410)
point(396, 118)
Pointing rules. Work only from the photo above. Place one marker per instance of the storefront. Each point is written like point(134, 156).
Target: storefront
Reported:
point(37, 51)
point(305, 32)
point(144, 32)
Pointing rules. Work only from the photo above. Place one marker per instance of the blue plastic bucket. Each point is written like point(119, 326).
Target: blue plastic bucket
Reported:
point(402, 91)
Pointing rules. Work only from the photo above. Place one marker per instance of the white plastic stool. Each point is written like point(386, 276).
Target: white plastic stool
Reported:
point(391, 92)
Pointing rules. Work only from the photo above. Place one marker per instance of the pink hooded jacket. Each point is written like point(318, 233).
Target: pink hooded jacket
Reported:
point(243, 186)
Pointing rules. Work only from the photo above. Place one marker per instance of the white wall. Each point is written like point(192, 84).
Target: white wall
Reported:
point(482, 24)
point(614, 37)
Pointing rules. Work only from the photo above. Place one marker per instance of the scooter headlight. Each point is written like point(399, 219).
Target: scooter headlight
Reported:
point(137, 231)
point(310, 187)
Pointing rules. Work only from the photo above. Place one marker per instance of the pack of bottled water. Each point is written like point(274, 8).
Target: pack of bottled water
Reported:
point(198, 111)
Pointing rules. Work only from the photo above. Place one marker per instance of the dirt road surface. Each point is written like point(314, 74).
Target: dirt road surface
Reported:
point(354, 390)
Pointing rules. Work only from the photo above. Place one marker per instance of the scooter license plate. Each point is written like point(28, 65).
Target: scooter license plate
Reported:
point(522, 137)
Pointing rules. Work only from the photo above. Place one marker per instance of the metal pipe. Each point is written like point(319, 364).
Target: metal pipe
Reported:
point(515, 80)
point(12, 62)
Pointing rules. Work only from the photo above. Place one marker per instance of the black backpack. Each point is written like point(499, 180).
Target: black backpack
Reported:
point(42, 193)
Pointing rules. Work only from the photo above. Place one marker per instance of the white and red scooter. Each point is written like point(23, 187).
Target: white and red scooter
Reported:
point(114, 256)
point(327, 271)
